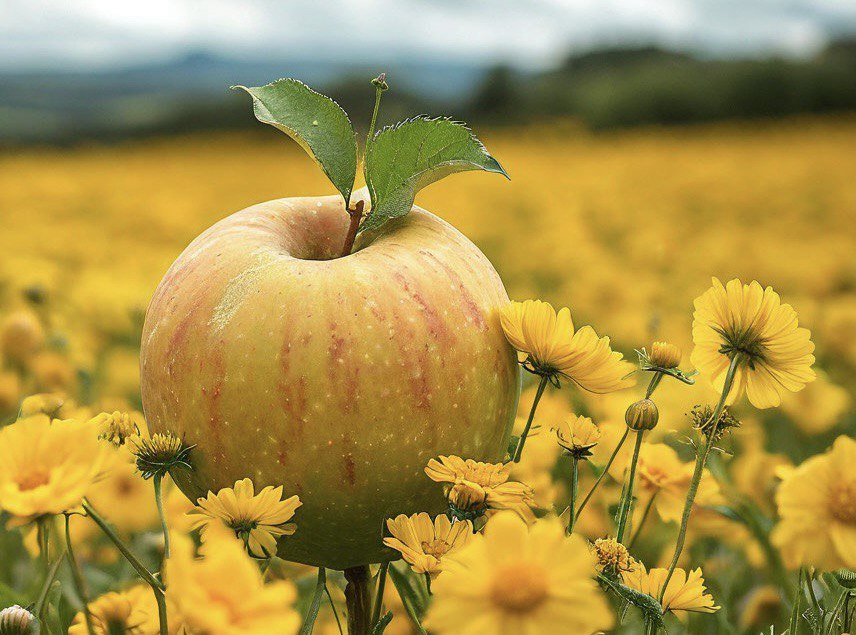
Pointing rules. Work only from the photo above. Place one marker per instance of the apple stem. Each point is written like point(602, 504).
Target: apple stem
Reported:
point(356, 213)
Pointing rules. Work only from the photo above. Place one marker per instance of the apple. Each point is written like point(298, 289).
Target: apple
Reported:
point(336, 377)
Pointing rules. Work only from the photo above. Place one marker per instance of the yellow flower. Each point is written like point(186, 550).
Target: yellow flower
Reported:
point(518, 580)
point(819, 407)
point(817, 510)
point(553, 348)
point(478, 487)
point(133, 611)
point(663, 474)
point(612, 556)
point(423, 543)
point(47, 468)
point(763, 606)
point(117, 426)
point(578, 435)
point(686, 592)
point(749, 321)
point(664, 355)
point(257, 519)
point(224, 591)
point(50, 404)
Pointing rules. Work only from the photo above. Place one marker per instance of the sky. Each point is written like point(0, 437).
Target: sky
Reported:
point(88, 34)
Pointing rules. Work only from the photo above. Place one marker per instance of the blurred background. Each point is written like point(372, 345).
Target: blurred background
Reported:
point(651, 145)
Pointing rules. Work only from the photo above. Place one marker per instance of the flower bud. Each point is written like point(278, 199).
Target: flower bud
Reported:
point(16, 620)
point(21, 336)
point(665, 355)
point(642, 415)
point(467, 496)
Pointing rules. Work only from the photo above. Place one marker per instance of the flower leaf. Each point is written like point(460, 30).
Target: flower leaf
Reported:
point(404, 158)
point(316, 122)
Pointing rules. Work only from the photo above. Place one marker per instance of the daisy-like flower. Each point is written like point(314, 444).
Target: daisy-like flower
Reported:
point(685, 592)
point(117, 426)
point(423, 544)
point(47, 467)
point(750, 323)
point(133, 611)
point(612, 556)
point(158, 454)
point(577, 435)
point(224, 592)
point(514, 579)
point(662, 474)
point(817, 510)
point(475, 488)
point(553, 349)
point(257, 519)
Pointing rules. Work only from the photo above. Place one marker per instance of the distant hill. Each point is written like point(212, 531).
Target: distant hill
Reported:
point(604, 88)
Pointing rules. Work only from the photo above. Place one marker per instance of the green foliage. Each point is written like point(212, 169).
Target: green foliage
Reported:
point(404, 158)
point(316, 122)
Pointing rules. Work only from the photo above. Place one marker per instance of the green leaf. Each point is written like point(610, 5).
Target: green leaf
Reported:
point(316, 122)
point(404, 158)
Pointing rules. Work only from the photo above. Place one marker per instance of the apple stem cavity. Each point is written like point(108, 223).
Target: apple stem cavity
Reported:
point(356, 213)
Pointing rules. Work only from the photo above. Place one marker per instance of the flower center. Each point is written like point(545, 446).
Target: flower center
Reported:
point(842, 502)
point(519, 587)
point(746, 341)
point(33, 479)
point(436, 548)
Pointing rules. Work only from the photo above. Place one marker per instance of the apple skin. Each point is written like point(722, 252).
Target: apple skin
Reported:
point(338, 378)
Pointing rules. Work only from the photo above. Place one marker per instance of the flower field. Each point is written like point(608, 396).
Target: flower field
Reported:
point(728, 505)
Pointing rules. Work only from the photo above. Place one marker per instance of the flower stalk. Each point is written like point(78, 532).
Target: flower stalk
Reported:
point(157, 586)
point(315, 606)
point(627, 499)
point(77, 577)
point(542, 385)
point(574, 484)
point(701, 459)
point(603, 473)
point(157, 482)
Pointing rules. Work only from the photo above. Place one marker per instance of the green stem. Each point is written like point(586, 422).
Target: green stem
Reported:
point(156, 585)
point(77, 576)
point(572, 518)
point(428, 583)
point(793, 626)
point(518, 451)
point(157, 480)
point(652, 385)
point(603, 473)
point(701, 460)
point(333, 608)
point(358, 598)
point(642, 520)
point(379, 90)
point(627, 499)
point(50, 576)
point(809, 578)
point(315, 606)
point(381, 586)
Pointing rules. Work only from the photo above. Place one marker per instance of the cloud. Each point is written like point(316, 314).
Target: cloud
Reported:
point(91, 33)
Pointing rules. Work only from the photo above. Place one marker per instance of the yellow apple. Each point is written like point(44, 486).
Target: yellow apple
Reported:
point(336, 377)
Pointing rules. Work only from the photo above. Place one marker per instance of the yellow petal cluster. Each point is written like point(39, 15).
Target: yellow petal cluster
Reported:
point(817, 510)
point(515, 579)
point(577, 434)
point(751, 321)
point(259, 519)
point(224, 592)
point(131, 611)
point(47, 467)
point(423, 544)
point(685, 591)
point(553, 347)
point(473, 485)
